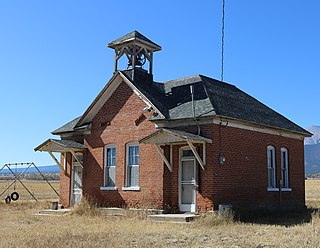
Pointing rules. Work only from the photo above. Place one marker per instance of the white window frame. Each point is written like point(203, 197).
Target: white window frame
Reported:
point(285, 170)
point(127, 186)
point(271, 167)
point(106, 169)
point(65, 161)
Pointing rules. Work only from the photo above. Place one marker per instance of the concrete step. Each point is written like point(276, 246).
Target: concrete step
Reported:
point(112, 211)
point(180, 218)
point(122, 211)
point(51, 212)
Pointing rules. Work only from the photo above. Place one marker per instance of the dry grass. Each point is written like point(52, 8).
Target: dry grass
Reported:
point(40, 189)
point(21, 228)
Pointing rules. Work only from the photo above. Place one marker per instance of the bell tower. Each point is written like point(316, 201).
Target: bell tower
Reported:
point(137, 48)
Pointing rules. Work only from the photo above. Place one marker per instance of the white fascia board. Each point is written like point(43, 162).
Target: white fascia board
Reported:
point(140, 95)
point(224, 121)
point(256, 128)
point(106, 93)
point(100, 100)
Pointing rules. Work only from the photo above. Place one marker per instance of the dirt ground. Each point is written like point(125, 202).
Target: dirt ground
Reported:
point(85, 227)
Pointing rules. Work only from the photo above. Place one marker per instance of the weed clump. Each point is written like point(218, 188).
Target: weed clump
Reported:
point(86, 208)
point(214, 219)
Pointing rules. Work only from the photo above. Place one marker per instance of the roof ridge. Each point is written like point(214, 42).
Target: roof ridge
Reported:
point(180, 79)
point(217, 81)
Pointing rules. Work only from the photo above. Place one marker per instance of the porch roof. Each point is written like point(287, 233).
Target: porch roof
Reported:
point(166, 136)
point(54, 145)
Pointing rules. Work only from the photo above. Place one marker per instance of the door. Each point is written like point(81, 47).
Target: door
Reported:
point(76, 183)
point(188, 185)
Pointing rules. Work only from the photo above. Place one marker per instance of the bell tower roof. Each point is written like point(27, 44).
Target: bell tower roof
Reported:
point(137, 48)
point(134, 37)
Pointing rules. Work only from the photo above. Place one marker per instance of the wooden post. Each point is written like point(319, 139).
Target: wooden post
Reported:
point(115, 61)
point(150, 62)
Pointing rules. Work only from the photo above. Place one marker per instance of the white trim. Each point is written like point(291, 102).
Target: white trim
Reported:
point(108, 188)
point(272, 165)
point(107, 92)
point(286, 189)
point(100, 100)
point(184, 207)
point(75, 164)
point(128, 187)
point(273, 189)
point(285, 167)
point(140, 95)
point(105, 165)
point(136, 188)
point(65, 161)
point(241, 124)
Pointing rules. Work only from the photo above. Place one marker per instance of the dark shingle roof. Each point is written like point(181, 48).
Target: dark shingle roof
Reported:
point(55, 145)
point(69, 127)
point(216, 98)
point(211, 98)
point(68, 143)
point(134, 35)
point(175, 133)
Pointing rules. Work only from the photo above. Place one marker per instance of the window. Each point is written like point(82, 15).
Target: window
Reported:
point(110, 166)
point(132, 170)
point(284, 168)
point(271, 155)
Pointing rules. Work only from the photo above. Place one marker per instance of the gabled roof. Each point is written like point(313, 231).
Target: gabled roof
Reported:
point(108, 90)
point(172, 135)
point(171, 100)
point(68, 127)
point(54, 145)
point(134, 36)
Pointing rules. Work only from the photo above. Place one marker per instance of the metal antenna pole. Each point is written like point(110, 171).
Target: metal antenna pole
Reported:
point(222, 40)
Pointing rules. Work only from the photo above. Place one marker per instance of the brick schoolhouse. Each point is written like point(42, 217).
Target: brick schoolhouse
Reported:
point(185, 145)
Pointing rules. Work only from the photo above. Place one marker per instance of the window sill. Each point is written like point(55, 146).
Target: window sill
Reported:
point(273, 189)
point(277, 189)
point(131, 188)
point(108, 188)
point(286, 189)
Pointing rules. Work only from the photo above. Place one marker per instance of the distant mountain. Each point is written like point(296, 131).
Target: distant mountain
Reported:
point(315, 139)
point(49, 169)
point(312, 151)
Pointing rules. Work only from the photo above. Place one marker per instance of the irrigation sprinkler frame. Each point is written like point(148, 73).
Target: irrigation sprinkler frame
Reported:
point(18, 176)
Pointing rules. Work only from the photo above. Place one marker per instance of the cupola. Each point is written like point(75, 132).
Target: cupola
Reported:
point(137, 48)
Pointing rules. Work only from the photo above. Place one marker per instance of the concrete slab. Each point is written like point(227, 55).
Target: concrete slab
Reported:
point(186, 217)
point(51, 212)
point(122, 211)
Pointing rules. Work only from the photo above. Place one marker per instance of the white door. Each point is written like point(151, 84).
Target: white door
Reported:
point(76, 183)
point(188, 185)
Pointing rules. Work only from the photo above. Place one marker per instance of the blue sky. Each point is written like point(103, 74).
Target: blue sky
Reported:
point(54, 59)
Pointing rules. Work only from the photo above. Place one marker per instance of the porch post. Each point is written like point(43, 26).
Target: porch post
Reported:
point(56, 160)
point(195, 153)
point(76, 157)
point(163, 157)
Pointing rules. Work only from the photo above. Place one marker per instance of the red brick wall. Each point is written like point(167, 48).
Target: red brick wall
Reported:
point(65, 180)
point(240, 181)
point(243, 177)
point(115, 124)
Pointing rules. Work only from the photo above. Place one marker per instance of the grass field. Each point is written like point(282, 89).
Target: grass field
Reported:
point(20, 227)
